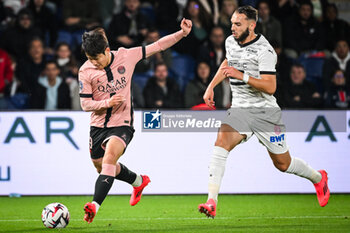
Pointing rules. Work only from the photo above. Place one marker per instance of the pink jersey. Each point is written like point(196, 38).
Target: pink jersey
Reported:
point(97, 86)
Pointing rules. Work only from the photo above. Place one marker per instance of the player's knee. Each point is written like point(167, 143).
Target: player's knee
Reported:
point(283, 167)
point(111, 158)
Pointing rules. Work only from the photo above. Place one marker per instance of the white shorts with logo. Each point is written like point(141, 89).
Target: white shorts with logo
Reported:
point(265, 123)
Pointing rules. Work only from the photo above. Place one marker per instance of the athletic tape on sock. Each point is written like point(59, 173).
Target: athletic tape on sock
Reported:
point(108, 169)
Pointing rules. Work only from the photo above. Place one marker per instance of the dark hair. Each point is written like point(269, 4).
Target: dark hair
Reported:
point(160, 64)
point(196, 76)
point(248, 11)
point(35, 38)
point(94, 42)
point(204, 17)
point(152, 30)
point(217, 27)
point(204, 62)
point(25, 11)
point(306, 2)
point(62, 44)
point(263, 1)
point(52, 62)
point(341, 39)
point(332, 5)
point(298, 65)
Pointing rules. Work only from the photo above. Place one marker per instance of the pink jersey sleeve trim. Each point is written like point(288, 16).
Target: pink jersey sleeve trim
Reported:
point(163, 43)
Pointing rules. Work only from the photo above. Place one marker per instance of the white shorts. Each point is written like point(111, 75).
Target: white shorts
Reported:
point(265, 123)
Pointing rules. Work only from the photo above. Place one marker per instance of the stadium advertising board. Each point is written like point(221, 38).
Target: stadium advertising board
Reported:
point(48, 153)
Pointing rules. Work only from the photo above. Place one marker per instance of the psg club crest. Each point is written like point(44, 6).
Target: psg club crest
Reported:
point(152, 120)
point(121, 69)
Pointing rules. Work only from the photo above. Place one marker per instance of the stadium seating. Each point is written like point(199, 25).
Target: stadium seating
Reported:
point(141, 79)
point(149, 12)
point(313, 67)
point(182, 69)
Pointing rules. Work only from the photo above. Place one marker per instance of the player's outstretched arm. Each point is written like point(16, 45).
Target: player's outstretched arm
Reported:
point(209, 93)
point(169, 40)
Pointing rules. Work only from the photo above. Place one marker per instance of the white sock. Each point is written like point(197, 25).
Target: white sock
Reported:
point(137, 182)
point(216, 171)
point(300, 168)
point(97, 205)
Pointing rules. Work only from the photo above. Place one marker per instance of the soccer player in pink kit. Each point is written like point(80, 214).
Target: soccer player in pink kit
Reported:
point(105, 90)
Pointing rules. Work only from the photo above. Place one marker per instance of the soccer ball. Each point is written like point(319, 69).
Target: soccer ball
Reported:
point(55, 215)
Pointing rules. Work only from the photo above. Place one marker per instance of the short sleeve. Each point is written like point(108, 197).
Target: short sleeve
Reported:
point(136, 54)
point(267, 61)
point(85, 90)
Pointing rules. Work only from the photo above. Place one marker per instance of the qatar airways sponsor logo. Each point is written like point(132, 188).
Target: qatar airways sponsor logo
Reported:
point(112, 87)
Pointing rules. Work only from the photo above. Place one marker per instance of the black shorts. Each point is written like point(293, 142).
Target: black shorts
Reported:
point(100, 136)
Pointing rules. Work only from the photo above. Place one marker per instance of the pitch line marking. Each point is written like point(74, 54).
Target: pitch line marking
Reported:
point(202, 218)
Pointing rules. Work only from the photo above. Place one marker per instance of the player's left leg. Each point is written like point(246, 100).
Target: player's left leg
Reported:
point(104, 182)
point(271, 132)
point(293, 165)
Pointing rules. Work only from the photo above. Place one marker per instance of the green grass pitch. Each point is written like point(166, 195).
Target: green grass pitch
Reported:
point(178, 213)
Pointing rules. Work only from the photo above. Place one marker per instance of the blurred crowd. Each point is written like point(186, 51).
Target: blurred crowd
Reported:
point(40, 52)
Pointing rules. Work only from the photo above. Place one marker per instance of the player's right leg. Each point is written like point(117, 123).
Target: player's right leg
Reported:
point(139, 182)
point(227, 139)
point(104, 182)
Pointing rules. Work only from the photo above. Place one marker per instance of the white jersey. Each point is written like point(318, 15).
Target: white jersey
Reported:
point(254, 58)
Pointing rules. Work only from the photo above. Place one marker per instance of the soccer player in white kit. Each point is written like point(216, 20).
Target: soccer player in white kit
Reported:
point(250, 66)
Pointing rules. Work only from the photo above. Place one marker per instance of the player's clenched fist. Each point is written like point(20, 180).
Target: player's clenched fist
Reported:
point(209, 97)
point(229, 71)
point(186, 26)
point(116, 100)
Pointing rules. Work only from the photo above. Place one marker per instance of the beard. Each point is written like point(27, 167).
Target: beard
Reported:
point(242, 37)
